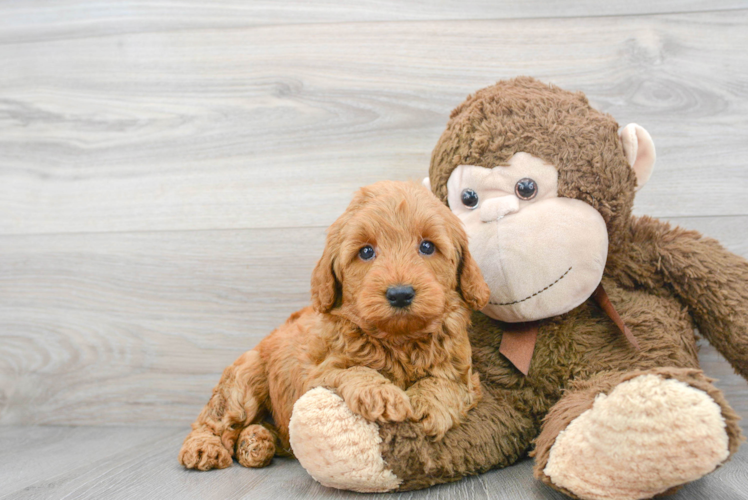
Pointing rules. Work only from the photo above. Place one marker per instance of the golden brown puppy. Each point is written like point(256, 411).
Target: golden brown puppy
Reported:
point(391, 300)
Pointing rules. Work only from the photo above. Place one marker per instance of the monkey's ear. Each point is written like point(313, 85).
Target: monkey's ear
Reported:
point(325, 285)
point(426, 182)
point(640, 152)
point(473, 287)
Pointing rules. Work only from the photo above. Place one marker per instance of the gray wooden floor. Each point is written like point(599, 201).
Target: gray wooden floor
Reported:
point(140, 462)
point(168, 169)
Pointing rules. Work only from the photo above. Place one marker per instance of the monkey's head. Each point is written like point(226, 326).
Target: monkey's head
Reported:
point(545, 185)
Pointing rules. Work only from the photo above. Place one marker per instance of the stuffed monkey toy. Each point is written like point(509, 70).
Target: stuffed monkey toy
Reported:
point(586, 352)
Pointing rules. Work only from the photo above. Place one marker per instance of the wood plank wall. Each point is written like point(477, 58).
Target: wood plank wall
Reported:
point(168, 168)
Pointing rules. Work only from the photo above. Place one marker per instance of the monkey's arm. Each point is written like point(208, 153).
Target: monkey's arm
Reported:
point(709, 280)
point(496, 433)
point(342, 450)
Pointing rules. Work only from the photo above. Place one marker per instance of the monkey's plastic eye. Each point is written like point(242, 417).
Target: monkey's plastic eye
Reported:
point(526, 189)
point(426, 248)
point(367, 253)
point(469, 198)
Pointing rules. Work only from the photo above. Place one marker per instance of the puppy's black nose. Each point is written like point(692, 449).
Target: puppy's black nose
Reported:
point(401, 295)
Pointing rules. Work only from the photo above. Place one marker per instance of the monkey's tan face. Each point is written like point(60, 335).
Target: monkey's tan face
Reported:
point(540, 254)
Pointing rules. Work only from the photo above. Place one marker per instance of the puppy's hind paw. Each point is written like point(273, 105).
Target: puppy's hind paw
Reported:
point(382, 403)
point(204, 451)
point(255, 447)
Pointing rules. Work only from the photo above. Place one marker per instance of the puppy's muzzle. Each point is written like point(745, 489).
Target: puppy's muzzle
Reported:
point(400, 296)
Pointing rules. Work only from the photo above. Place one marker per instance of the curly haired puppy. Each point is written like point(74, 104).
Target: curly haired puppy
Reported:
point(391, 300)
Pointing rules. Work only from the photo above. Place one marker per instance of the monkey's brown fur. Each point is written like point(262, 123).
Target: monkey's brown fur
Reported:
point(387, 364)
point(663, 281)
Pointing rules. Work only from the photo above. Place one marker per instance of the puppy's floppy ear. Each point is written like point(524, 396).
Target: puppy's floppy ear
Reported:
point(325, 285)
point(473, 288)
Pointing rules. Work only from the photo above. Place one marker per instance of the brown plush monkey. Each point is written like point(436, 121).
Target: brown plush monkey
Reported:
point(597, 307)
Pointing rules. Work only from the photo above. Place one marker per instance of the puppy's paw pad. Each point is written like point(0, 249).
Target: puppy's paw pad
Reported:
point(255, 446)
point(204, 451)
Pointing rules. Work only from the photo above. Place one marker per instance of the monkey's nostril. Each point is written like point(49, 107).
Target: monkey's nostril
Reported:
point(401, 295)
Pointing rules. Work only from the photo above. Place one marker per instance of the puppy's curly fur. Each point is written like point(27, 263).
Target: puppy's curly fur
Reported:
point(388, 363)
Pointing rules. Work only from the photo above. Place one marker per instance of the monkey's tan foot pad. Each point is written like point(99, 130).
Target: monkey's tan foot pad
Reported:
point(337, 447)
point(645, 437)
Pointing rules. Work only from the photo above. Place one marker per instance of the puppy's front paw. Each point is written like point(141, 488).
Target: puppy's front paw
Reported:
point(383, 403)
point(204, 451)
point(435, 418)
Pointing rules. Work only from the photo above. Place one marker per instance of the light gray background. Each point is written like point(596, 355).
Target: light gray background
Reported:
point(168, 169)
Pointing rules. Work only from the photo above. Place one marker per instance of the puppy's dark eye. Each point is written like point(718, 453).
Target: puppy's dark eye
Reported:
point(526, 189)
point(469, 198)
point(367, 253)
point(426, 248)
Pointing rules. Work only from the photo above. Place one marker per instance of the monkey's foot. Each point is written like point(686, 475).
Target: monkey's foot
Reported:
point(647, 436)
point(337, 447)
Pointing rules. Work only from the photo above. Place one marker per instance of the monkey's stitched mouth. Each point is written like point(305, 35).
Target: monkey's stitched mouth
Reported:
point(534, 294)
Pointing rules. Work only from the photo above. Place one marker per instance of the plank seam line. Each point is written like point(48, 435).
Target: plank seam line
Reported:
point(335, 23)
point(140, 231)
point(285, 228)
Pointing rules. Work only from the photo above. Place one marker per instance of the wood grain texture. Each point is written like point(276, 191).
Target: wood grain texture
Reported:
point(116, 328)
point(44, 20)
point(228, 128)
point(129, 462)
point(167, 169)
